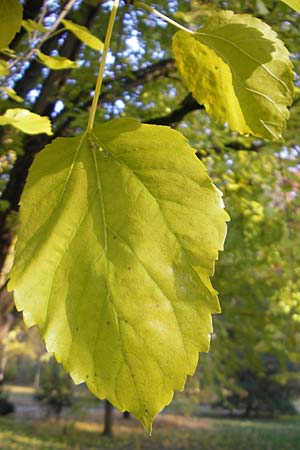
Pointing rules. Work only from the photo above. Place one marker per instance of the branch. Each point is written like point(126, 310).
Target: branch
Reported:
point(188, 105)
point(160, 69)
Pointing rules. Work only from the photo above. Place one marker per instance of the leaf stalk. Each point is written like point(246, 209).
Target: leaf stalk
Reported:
point(102, 65)
point(152, 10)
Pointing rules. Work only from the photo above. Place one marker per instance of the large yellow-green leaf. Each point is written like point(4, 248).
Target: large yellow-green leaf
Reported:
point(295, 4)
point(10, 20)
point(119, 233)
point(56, 62)
point(26, 121)
point(83, 34)
point(238, 68)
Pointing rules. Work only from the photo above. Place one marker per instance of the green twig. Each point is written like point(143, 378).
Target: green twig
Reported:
point(102, 65)
point(143, 5)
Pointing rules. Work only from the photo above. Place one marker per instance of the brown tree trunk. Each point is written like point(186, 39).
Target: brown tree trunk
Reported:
point(7, 320)
point(108, 419)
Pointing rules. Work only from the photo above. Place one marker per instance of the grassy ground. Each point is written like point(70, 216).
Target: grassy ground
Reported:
point(80, 429)
point(170, 432)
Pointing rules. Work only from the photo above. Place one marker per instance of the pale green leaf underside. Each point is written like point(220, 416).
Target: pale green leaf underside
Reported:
point(295, 4)
point(11, 13)
point(26, 121)
point(238, 68)
point(118, 237)
point(56, 62)
point(83, 34)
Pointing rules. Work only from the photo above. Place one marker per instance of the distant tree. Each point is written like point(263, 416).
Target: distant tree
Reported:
point(108, 419)
point(55, 387)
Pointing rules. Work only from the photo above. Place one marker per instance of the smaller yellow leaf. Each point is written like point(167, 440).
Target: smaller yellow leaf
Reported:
point(84, 35)
point(247, 86)
point(56, 62)
point(3, 68)
point(12, 94)
point(26, 121)
point(31, 25)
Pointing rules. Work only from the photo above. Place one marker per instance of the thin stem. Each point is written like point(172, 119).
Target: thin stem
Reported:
point(44, 38)
point(102, 64)
point(64, 12)
point(41, 18)
point(143, 5)
point(61, 30)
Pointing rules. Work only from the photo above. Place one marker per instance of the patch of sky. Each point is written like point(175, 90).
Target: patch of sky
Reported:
point(4, 177)
point(149, 105)
point(71, 81)
point(287, 153)
point(158, 54)
point(154, 21)
point(120, 105)
point(58, 107)
point(133, 43)
point(77, 4)
point(139, 104)
point(112, 110)
point(286, 25)
point(61, 40)
point(108, 5)
point(45, 71)
point(49, 20)
point(229, 161)
point(18, 73)
point(172, 92)
point(110, 65)
point(297, 76)
point(110, 59)
point(81, 62)
point(132, 19)
point(33, 94)
point(173, 6)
